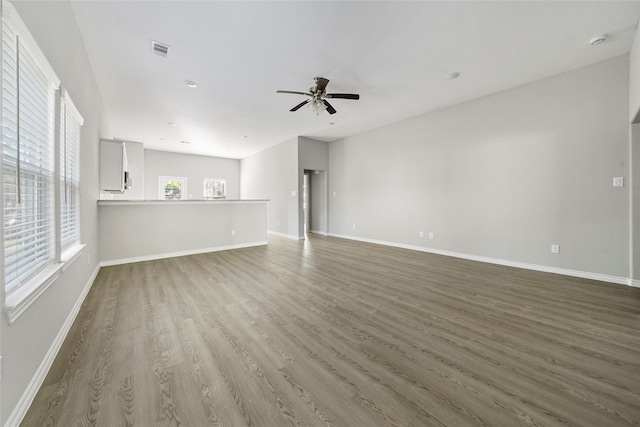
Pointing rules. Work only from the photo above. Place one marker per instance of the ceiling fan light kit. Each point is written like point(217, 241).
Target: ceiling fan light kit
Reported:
point(318, 97)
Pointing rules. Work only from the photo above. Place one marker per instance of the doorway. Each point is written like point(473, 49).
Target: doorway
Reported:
point(314, 210)
point(306, 200)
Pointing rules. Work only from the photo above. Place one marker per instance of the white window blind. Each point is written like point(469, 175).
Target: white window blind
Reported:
point(28, 132)
point(70, 126)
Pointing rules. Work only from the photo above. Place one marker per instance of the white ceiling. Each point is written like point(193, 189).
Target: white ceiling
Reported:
point(394, 54)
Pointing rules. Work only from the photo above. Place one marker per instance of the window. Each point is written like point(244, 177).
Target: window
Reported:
point(215, 188)
point(40, 169)
point(172, 188)
point(28, 154)
point(70, 125)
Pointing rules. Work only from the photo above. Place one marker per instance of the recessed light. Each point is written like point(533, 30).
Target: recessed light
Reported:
point(170, 124)
point(452, 76)
point(244, 136)
point(332, 123)
point(190, 83)
point(597, 40)
point(185, 142)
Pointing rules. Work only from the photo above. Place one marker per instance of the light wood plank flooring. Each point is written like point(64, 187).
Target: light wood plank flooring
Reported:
point(331, 332)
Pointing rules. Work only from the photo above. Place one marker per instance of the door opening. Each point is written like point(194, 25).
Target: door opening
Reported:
point(306, 200)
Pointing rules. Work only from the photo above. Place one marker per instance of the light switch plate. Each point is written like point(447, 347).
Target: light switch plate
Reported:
point(618, 181)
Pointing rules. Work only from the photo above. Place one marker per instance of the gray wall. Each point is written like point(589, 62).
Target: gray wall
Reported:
point(273, 174)
point(26, 343)
point(635, 191)
point(318, 209)
point(503, 177)
point(634, 114)
point(195, 168)
point(634, 84)
point(135, 232)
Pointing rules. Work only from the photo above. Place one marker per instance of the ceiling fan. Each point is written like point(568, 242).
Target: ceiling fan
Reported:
point(318, 96)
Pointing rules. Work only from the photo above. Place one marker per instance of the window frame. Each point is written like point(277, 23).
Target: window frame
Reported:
point(70, 141)
point(16, 299)
point(162, 180)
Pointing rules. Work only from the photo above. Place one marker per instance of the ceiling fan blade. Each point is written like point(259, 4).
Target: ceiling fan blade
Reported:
point(294, 92)
point(343, 95)
point(330, 109)
point(321, 84)
point(300, 105)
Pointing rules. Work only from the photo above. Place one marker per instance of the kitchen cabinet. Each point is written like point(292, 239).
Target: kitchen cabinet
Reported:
point(114, 174)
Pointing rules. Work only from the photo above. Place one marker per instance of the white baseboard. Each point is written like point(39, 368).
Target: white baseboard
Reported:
point(634, 283)
point(544, 268)
point(34, 385)
point(322, 233)
point(288, 236)
point(179, 253)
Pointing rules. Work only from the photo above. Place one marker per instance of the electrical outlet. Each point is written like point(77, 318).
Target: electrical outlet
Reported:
point(618, 181)
point(233, 232)
point(353, 226)
point(431, 235)
point(555, 249)
point(421, 234)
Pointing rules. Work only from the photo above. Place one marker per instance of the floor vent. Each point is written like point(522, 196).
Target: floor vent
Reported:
point(159, 48)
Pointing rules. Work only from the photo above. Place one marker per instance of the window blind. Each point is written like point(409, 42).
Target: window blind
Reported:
point(28, 111)
point(70, 128)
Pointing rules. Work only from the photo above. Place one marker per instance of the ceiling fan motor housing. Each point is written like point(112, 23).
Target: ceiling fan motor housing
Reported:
point(318, 94)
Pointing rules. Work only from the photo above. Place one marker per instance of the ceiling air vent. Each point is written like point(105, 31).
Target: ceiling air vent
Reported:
point(159, 48)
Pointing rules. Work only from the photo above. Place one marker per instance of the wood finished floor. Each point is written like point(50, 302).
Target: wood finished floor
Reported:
point(331, 332)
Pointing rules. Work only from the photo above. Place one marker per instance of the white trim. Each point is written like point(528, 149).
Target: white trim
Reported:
point(288, 236)
point(70, 254)
point(71, 106)
point(634, 283)
point(17, 25)
point(109, 263)
point(29, 394)
point(544, 268)
point(27, 293)
point(322, 233)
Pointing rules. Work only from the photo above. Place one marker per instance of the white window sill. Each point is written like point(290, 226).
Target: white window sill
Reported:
point(70, 254)
point(20, 299)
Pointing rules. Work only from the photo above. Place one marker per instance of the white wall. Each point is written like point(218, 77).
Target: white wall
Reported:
point(26, 343)
point(502, 177)
point(195, 168)
point(634, 77)
point(273, 174)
